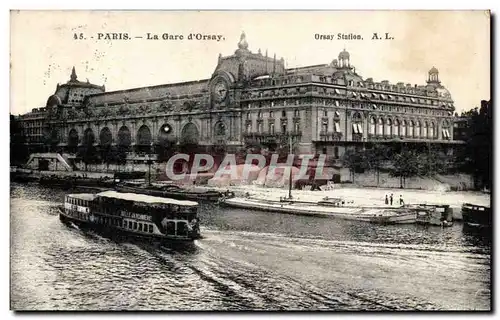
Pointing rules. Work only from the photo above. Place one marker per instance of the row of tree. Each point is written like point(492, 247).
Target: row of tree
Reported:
point(478, 152)
point(401, 161)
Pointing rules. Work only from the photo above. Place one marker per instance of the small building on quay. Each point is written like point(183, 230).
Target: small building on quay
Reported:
point(250, 99)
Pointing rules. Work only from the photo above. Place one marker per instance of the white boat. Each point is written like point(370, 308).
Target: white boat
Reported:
point(384, 215)
point(133, 214)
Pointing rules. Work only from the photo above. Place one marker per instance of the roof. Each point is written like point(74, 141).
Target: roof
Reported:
point(162, 91)
point(82, 196)
point(144, 198)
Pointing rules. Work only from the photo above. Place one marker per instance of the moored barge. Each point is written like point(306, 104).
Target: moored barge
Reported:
point(396, 215)
point(169, 191)
point(476, 215)
point(133, 214)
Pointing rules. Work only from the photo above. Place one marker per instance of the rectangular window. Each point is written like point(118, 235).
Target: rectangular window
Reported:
point(130, 224)
point(337, 127)
point(150, 228)
point(135, 225)
point(355, 128)
point(140, 226)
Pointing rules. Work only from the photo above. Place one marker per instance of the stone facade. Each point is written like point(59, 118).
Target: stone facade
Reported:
point(252, 98)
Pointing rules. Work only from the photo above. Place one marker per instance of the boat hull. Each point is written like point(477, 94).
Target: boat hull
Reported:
point(112, 231)
point(179, 195)
point(476, 216)
point(380, 216)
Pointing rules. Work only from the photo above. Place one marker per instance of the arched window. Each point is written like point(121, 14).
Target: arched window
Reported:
point(220, 129)
point(409, 131)
point(380, 126)
point(432, 130)
point(249, 127)
point(388, 127)
point(416, 132)
point(424, 129)
point(403, 128)
point(396, 127)
point(372, 125)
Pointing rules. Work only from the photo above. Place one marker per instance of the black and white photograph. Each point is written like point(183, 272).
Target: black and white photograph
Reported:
point(250, 160)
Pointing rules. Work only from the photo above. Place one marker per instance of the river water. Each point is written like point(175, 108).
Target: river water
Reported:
point(246, 261)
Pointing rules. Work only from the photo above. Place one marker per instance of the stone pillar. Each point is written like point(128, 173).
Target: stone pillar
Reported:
point(133, 132)
point(155, 130)
point(114, 132)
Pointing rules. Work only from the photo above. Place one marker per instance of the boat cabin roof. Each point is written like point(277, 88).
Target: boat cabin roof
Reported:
point(82, 196)
point(144, 198)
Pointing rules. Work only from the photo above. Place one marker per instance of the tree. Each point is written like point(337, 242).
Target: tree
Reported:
point(376, 157)
point(89, 154)
point(164, 150)
point(18, 149)
point(121, 154)
point(356, 161)
point(434, 161)
point(406, 164)
point(109, 154)
point(478, 149)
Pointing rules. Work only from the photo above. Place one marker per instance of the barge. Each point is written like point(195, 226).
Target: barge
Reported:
point(476, 215)
point(393, 215)
point(434, 215)
point(169, 191)
point(134, 215)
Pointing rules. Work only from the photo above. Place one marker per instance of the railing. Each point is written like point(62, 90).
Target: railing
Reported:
point(271, 137)
point(357, 137)
point(330, 136)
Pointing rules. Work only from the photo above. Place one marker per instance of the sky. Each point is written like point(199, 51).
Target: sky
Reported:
point(43, 49)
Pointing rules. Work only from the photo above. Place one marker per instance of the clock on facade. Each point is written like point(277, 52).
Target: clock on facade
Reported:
point(220, 91)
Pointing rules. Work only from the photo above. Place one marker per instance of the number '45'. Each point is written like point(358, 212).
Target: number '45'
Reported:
point(78, 36)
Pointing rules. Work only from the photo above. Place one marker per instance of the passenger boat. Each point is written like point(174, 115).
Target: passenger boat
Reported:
point(169, 191)
point(476, 215)
point(397, 215)
point(133, 214)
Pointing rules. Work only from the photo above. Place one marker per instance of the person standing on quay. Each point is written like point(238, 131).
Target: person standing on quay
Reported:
point(386, 199)
point(401, 202)
point(391, 199)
